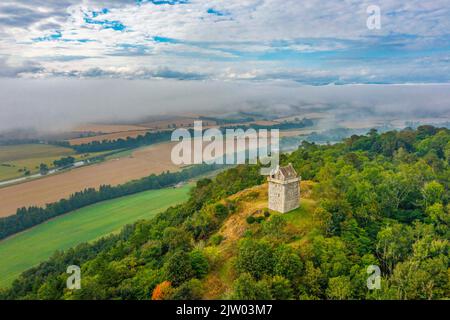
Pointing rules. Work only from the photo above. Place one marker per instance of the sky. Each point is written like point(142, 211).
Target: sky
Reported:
point(310, 42)
point(65, 61)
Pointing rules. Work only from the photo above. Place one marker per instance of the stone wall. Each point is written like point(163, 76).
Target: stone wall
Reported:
point(283, 196)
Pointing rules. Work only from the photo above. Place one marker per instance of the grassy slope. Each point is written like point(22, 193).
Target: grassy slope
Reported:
point(37, 244)
point(299, 225)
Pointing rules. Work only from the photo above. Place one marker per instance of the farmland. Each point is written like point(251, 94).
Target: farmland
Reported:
point(106, 128)
point(108, 136)
point(28, 248)
point(140, 163)
point(16, 159)
point(28, 157)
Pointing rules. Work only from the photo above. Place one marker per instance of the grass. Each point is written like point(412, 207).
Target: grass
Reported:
point(31, 247)
point(29, 156)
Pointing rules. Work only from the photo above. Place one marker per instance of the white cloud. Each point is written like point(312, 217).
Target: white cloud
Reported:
point(252, 39)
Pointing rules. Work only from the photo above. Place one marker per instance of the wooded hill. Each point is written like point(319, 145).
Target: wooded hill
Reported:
point(371, 200)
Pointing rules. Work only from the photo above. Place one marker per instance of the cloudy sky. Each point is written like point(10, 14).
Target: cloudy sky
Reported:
point(310, 41)
point(66, 61)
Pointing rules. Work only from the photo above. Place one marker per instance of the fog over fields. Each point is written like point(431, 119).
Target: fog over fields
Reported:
point(57, 104)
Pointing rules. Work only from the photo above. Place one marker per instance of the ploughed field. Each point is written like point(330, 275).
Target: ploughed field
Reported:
point(139, 163)
point(26, 249)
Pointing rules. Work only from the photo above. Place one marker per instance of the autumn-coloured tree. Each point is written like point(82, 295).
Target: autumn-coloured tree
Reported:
point(162, 291)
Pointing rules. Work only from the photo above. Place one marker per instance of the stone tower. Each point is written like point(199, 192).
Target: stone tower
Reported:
point(284, 190)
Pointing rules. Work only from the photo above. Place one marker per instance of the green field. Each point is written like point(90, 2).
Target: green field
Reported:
point(16, 159)
point(31, 247)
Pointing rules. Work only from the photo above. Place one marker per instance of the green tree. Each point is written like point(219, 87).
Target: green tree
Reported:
point(199, 263)
point(256, 258)
point(176, 238)
point(339, 288)
point(312, 282)
point(178, 268)
point(280, 288)
point(43, 169)
point(394, 243)
point(246, 288)
point(432, 192)
point(287, 263)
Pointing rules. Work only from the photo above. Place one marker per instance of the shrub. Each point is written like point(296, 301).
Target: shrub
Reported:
point(250, 220)
point(199, 263)
point(216, 239)
point(190, 290)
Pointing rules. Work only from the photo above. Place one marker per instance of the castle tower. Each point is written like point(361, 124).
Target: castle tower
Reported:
point(284, 189)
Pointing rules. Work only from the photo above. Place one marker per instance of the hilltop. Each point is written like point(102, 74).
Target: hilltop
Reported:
point(251, 219)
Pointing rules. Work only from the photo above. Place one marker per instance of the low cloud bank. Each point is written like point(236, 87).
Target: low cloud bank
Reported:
point(59, 104)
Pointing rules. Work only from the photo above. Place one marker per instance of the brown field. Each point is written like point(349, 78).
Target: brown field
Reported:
point(309, 115)
point(264, 122)
point(294, 133)
point(107, 128)
point(108, 136)
point(171, 123)
point(142, 162)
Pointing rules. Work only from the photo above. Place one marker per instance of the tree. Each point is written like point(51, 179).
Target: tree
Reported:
point(178, 268)
point(331, 254)
point(162, 291)
point(246, 288)
point(199, 263)
point(43, 169)
point(323, 220)
point(356, 237)
point(394, 242)
point(439, 217)
point(312, 282)
point(426, 279)
point(280, 288)
point(339, 288)
point(287, 263)
point(432, 193)
point(256, 258)
point(176, 238)
point(190, 290)
point(51, 290)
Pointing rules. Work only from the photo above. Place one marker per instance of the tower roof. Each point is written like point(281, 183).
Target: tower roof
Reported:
point(284, 173)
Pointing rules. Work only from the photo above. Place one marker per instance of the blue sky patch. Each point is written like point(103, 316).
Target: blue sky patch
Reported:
point(55, 36)
point(161, 2)
point(98, 13)
point(165, 40)
point(107, 24)
point(215, 12)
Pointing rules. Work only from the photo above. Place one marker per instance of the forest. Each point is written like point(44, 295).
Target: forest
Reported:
point(379, 199)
